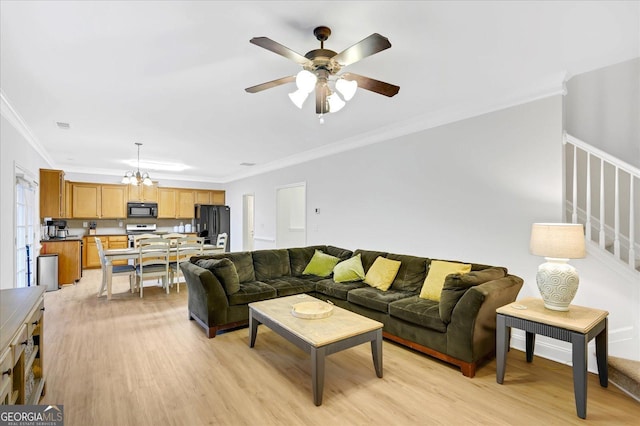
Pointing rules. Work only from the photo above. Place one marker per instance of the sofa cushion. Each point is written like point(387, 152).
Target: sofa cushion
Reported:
point(412, 272)
point(270, 264)
point(286, 286)
point(368, 257)
point(299, 257)
point(225, 272)
point(341, 253)
point(253, 291)
point(321, 264)
point(349, 270)
point(456, 285)
point(375, 299)
point(438, 271)
point(418, 311)
point(242, 260)
point(338, 290)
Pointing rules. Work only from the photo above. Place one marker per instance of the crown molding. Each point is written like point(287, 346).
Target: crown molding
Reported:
point(410, 126)
point(16, 120)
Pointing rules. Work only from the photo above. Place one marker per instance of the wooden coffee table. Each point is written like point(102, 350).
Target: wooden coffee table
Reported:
point(318, 337)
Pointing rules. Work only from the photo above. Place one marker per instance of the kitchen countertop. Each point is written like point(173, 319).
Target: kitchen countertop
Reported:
point(60, 240)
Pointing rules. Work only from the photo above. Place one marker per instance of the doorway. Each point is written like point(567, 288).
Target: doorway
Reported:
point(248, 221)
point(291, 216)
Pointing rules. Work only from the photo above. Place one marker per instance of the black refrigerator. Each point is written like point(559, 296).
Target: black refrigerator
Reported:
point(212, 220)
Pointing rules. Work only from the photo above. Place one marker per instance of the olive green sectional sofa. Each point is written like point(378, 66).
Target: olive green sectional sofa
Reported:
point(458, 329)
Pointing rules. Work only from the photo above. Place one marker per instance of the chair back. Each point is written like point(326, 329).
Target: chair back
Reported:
point(140, 237)
point(222, 241)
point(103, 260)
point(189, 246)
point(154, 256)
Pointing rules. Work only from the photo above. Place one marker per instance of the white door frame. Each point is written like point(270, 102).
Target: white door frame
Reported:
point(248, 221)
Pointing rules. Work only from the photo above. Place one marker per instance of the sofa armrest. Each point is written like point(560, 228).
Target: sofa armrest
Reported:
point(207, 298)
point(471, 334)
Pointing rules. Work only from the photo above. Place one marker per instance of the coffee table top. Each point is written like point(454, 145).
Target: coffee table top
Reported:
point(341, 325)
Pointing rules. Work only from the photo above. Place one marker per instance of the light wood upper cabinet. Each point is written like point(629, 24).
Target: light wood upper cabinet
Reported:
point(167, 203)
point(52, 194)
point(144, 193)
point(86, 200)
point(186, 200)
point(218, 198)
point(203, 197)
point(68, 199)
point(95, 201)
point(114, 201)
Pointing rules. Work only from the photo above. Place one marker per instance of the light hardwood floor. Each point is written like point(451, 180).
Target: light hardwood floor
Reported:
point(135, 361)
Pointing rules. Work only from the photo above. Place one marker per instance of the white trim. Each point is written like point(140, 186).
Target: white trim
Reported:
point(266, 239)
point(603, 155)
point(403, 128)
point(16, 120)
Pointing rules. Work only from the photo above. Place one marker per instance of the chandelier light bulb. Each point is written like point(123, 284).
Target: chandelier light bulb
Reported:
point(298, 97)
point(306, 81)
point(347, 88)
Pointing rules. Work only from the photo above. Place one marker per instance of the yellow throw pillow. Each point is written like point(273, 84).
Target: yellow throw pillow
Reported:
point(438, 271)
point(382, 273)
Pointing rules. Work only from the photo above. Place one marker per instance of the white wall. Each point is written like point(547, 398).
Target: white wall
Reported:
point(603, 109)
point(469, 190)
point(14, 149)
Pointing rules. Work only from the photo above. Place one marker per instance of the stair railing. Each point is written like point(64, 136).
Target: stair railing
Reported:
point(613, 224)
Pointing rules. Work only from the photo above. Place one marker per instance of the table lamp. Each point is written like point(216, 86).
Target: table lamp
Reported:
point(556, 279)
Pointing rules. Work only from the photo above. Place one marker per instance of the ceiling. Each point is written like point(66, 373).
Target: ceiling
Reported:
point(171, 75)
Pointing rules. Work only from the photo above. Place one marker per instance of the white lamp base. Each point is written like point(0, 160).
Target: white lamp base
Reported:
point(558, 283)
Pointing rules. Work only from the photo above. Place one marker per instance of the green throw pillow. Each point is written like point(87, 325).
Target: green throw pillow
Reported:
point(321, 264)
point(456, 285)
point(225, 271)
point(349, 270)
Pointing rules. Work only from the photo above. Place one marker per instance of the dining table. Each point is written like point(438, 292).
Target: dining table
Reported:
point(133, 253)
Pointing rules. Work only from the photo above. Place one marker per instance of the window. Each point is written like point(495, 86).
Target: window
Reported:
point(25, 230)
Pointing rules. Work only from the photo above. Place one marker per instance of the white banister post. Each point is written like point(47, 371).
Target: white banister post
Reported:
point(588, 218)
point(574, 209)
point(616, 215)
point(632, 230)
point(601, 235)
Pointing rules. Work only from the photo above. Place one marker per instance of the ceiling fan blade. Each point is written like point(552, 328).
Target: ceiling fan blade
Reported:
point(373, 85)
point(373, 44)
point(270, 84)
point(275, 47)
point(321, 99)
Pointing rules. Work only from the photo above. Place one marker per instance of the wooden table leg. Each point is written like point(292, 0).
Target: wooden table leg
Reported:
point(602, 355)
point(530, 343)
point(109, 272)
point(253, 329)
point(376, 352)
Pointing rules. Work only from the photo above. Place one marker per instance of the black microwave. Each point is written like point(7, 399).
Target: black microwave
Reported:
point(138, 210)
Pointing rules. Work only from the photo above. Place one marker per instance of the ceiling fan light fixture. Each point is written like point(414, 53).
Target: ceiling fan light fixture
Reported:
point(298, 97)
point(306, 81)
point(347, 88)
point(335, 103)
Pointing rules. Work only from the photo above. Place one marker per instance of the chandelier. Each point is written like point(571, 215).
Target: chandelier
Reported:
point(137, 178)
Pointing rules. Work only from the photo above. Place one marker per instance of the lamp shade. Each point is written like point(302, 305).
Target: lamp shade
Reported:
point(558, 240)
point(347, 88)
point(306, 81)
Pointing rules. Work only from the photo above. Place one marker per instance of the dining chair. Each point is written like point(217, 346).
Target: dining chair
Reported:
point(140, 237)
point(222, 241)
point(153, 261)
point(186, 247)
point(115, 269)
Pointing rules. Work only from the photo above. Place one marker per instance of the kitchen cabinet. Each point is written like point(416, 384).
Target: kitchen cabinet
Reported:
point(96, 201)
point(86, 200)
point(202, 197)
point(69, 265)
point(22, 345)
point(52, 193)
point(167, 203)
point(68, 198)
point(144, 193)
point(218, 198)
point(186, 201)
point(90, 255)
point(113, 203)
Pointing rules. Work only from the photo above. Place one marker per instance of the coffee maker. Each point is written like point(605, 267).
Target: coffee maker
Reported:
point(57, 229)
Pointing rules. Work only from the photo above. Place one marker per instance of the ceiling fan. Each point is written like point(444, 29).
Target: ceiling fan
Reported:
point(321, 66)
